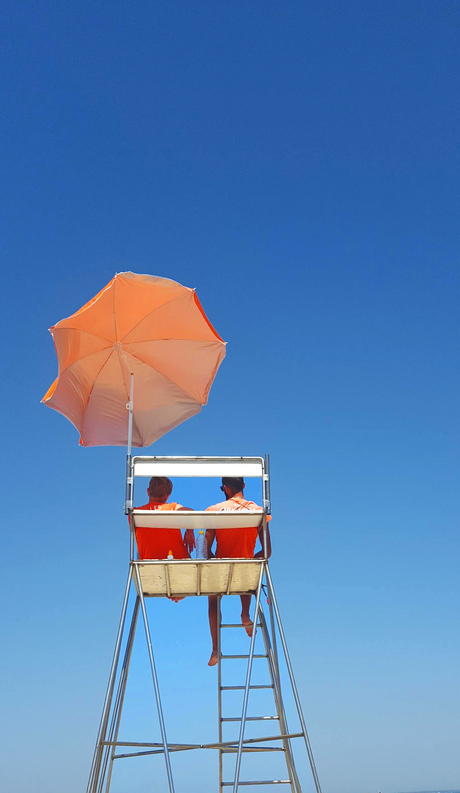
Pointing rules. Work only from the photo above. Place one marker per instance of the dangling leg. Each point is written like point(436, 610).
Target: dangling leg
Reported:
point(245, 618)
point(212, 611)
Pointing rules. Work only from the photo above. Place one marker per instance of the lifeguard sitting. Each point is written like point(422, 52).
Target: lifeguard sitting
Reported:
point(234, 544)
point(158, 543)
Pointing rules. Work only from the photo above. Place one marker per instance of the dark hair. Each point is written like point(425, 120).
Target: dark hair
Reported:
point(160, 487)
point(234, 483)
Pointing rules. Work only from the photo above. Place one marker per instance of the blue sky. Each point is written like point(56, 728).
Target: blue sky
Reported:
point(298, 164)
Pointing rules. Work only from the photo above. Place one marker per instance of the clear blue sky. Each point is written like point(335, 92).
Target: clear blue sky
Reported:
point(298, 163)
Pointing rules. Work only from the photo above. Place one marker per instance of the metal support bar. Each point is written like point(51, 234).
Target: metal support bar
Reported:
point(94, 772)
point(129, 472)
point(234, 749)
point(293, 683)
point(270, 646)
point(261, 782)
point(155, 682)
point(248, 680)
point(251, 718)
point(219, 687)
point(212, 745)
point(241, 688)
point(184, 747)
point(232, 657)
point(117, 711)
point(266, 486)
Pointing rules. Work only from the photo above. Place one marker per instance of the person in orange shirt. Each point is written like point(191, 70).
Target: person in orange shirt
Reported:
point(234, 544)
point(157, 543)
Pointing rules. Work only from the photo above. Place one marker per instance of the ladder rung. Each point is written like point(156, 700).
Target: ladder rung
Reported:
point(262, 782)
point(242, 688)
point(251, 718)
point(234, 749)
point(223, 657)
point(238, 625)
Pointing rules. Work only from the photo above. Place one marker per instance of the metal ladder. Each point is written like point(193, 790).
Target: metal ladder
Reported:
point(283, 737)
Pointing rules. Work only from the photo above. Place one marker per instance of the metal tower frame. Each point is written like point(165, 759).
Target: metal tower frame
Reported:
point(192, 577)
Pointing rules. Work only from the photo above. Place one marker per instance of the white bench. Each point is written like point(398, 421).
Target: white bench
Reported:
point(200, 520)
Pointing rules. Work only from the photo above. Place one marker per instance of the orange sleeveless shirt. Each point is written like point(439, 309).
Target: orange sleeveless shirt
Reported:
point(157, 543)
point(235, 543)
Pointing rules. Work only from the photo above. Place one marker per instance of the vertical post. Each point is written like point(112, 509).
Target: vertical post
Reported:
point(264, 535)
point(155, 680)
point(219, 683)
point(129, 473)
point(293, 684)
point(248, 681)
point(117, 711)
point(278, 697)
point(266, 499)
point(94, 773)
point(131, 537)
point(266, 486)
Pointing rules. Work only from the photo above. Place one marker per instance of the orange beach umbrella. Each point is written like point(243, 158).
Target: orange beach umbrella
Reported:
point(151, 327)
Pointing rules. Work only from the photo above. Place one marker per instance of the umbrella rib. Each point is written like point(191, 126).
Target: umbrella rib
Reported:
point(83, 358)
point(165, 376)
point(82, 330)
point(94, 382)
point(87, 305)
point(174, 338)
point(150, 313)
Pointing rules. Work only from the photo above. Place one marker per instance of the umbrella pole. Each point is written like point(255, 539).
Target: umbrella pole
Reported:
point(129, 474)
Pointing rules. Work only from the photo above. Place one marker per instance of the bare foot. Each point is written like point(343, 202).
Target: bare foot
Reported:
point(246, 620)
point(214, 658)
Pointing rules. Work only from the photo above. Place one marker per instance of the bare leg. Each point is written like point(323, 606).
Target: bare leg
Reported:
point(245, 618)
point(212, 611)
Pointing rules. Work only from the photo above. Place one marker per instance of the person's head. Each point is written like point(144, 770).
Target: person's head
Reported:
point(160, 488)
point(232, 485)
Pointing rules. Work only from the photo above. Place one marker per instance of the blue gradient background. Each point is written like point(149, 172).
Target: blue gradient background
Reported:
point(298, 164)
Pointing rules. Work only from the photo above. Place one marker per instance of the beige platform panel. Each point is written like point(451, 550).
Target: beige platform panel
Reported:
point(213, 577)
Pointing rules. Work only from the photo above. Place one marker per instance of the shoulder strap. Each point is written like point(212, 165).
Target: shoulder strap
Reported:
point(241, 506)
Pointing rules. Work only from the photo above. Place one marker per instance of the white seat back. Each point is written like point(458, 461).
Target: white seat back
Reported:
point(245, 467)
point(198, 466)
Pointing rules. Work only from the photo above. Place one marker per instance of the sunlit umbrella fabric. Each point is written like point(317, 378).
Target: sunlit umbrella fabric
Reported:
point(152, 327)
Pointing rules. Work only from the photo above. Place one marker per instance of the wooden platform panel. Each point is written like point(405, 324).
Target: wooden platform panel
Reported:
point(188, 578)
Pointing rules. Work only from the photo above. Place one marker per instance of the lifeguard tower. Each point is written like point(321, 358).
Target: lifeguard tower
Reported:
point(196, 578)
point(154, 331)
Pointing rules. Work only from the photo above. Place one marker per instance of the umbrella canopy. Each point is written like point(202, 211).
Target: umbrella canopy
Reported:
point(151, 327)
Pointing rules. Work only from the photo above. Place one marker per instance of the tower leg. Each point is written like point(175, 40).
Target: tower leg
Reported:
point(155, 681)
point(117, 711)
point(248, 681)
point(293, 684)
point(272, 656)
point(219, 688)
point(101, 736)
